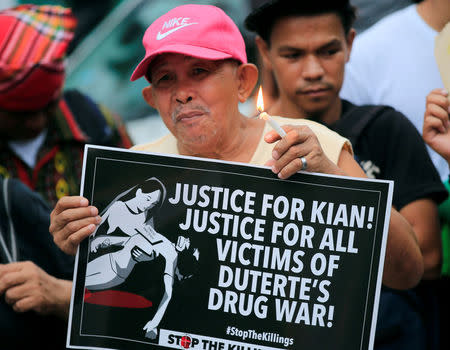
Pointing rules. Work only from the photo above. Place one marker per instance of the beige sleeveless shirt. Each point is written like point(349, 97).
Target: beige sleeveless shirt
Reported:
point(332, 143)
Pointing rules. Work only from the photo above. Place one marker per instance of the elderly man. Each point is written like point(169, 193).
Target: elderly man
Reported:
point(196, 63)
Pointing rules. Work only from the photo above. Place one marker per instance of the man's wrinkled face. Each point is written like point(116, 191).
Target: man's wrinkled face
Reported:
point(308, 56)
point(196, 98)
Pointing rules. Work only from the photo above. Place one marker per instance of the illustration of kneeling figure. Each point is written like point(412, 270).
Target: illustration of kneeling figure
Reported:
point(129, 228)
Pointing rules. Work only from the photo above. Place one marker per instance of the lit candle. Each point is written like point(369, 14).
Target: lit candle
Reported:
point(266, 116)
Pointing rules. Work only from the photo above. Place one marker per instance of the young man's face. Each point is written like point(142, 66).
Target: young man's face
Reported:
point(196, 98)
point(308, 55)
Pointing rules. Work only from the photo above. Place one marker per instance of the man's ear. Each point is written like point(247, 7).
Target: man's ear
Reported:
point(349, 39)
point(138, 191)
point(247, 75)
point(147, 93)
point(263, 50)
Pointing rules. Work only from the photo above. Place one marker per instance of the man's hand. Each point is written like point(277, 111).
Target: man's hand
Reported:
point(27, 287)
point(436, 125)
point(300, 141)
point(71, 221)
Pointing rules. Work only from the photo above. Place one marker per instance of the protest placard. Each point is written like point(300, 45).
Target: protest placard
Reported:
point(212, 255)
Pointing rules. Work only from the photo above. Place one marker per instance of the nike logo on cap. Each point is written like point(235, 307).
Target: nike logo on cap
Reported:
point(160, 35)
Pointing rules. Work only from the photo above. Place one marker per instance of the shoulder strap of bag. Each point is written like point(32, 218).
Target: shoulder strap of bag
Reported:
point(10, 253)
point(88, 116)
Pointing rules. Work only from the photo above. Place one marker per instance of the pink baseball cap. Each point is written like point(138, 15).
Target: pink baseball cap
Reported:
point(202, 31)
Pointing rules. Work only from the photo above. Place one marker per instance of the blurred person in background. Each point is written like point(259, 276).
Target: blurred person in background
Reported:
point(34, 274)
point(42, 137)
point(399, 71)
point(369, 12)
point(43, 130)
point(436, 133)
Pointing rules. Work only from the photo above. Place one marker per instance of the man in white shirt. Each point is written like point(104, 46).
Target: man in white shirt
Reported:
point(392, 63)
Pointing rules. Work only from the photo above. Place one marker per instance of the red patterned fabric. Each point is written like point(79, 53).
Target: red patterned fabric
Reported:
point(33, 44)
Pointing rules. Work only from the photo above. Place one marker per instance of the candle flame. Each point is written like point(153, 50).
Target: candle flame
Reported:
point(260, 101)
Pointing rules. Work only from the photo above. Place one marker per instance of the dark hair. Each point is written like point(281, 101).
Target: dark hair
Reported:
point(262, 19)
point(153, 184)
point(147, 186)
